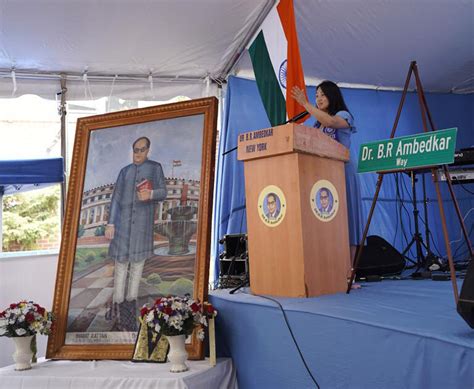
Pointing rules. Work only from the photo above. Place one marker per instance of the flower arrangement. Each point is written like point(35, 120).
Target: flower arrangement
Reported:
point(177, 315)
point(24, 319)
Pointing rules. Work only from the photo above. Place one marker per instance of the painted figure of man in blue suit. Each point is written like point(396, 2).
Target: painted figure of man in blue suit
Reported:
point(326, 204)
point(138, 189)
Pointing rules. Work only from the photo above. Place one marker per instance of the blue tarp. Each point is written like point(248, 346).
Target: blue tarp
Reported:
point(374, 112)
point(22, 175)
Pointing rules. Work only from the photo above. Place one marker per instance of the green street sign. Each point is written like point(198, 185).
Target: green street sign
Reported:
point(406, 152)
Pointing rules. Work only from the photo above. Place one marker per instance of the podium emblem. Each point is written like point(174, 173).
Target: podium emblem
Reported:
point(271, 205)
point(324, 200)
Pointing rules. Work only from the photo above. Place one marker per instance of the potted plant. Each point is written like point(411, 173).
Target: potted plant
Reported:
point(22, 321)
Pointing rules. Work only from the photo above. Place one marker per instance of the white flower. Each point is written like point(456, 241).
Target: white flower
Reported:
point(20, 331)
point(176, 322)
point(3, 331)
point(149, 317)
point(157, 328)
point(200, 334)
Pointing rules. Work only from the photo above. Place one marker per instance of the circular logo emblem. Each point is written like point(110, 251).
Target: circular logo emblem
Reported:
point(282, 73)
point(324, 200)
point(271, 205)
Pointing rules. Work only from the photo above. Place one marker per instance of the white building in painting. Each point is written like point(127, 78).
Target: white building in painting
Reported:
point(96, 203)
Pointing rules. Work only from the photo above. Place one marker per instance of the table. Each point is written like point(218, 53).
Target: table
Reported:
point(47, 374)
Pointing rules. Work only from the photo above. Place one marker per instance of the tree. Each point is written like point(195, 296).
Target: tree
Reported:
point(30, 216)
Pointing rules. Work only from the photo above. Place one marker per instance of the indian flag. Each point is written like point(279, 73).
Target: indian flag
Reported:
point(276, 63)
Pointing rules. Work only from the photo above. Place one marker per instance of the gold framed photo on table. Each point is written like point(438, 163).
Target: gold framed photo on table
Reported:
point(137, 225)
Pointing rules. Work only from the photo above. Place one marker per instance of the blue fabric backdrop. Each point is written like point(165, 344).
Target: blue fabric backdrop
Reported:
point(374, 112)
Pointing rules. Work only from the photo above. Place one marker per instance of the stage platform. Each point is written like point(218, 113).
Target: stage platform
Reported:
point(389, 334)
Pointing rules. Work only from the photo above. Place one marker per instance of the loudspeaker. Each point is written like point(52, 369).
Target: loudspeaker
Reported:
point(379, 258)
point(233, 261)
point(466, 299)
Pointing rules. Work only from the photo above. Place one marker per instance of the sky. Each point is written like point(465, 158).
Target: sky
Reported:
point(110, 149)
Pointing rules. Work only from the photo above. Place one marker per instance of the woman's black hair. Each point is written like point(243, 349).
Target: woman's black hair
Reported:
point(334, 96)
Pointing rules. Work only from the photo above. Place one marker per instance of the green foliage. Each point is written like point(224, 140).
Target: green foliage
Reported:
point(99, 231)
point(181, 287)
point(86, 257)
point(80, 231)
point(30, 216)
point(154, 279)
point(90, 258)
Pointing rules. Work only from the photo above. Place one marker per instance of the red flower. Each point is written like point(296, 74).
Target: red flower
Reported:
point(30, 317)
point(2, 314)
point(168, 310)
point(209, 309)
point(13, 306)
point(41, 310)
point(143, 311)
point(195, 307)
point(158, 301)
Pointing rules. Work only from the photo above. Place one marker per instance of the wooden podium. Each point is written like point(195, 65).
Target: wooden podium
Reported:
point(301, 249)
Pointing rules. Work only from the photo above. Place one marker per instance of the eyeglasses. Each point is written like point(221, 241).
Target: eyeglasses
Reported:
point(271, 202)
point(137, 150)
point(324, 197)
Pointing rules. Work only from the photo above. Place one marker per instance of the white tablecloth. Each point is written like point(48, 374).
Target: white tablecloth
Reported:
point(119, 375)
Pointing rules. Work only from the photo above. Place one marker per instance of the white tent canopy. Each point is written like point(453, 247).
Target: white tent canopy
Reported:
point(182, 43)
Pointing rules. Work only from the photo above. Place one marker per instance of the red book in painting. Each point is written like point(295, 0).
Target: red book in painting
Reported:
point(145, 184)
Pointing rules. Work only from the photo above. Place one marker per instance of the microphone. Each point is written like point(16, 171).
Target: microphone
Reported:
point(297, 117)
point(291, 120)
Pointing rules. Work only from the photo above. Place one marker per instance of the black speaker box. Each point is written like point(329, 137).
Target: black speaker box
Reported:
point(233, 261)
point(466, 299)
point(379, 258)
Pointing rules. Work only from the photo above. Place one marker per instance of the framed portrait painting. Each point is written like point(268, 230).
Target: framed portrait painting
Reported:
point(137, 225)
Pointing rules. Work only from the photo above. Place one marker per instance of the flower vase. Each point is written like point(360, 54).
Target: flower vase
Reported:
point(23, 354)
point(178, 354)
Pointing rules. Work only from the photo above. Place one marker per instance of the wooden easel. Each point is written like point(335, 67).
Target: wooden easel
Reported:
point(425, 113)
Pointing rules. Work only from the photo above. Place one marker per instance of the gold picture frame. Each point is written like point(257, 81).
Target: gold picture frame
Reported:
point(96, 299)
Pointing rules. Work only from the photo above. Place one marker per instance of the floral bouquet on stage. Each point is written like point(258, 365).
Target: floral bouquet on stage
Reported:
point(21, 322)
point(175, 315)
point(176, 318)
point(25, 319)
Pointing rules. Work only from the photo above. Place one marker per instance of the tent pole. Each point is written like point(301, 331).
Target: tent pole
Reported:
point(251, 34)
point(62, 112)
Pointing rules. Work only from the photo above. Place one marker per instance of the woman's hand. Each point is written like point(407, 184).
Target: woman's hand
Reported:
point(299, 96)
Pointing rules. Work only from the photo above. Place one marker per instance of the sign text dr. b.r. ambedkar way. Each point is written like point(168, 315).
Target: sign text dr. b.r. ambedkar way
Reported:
point(421, 150)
